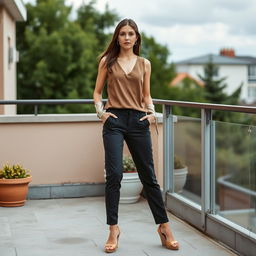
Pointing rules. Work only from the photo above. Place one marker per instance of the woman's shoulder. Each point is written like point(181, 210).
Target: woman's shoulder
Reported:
point(102, 62)
point(146, 61)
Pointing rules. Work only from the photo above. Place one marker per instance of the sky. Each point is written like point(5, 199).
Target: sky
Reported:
point(190, 28)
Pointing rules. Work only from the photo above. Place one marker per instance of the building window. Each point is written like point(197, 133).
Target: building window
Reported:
point(216, 71)
point(10, 53)
point(252, 92)
point(252, 73)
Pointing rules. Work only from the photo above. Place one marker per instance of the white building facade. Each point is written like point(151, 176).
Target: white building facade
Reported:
point(11, 11)
point(237, 70)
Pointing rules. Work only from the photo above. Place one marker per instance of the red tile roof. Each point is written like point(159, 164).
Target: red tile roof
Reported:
point(181, 76)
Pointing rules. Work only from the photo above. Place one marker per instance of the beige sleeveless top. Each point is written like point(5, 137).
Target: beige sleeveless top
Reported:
point(126, 90)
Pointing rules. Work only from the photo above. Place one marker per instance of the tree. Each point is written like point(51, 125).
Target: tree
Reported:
point(91, 21)
point(213, 87)
point(214, 91)
point(58, 57)
point(188, 91)
point(162, 71)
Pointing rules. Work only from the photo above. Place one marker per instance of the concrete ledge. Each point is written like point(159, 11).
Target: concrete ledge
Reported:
point(56, 118)
point(184, 209)
point(49, 118)
point(65, 190)
point(235, 237)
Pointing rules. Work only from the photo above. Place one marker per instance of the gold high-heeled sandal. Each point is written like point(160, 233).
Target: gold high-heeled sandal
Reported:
point(172, 245)
point(114, 246)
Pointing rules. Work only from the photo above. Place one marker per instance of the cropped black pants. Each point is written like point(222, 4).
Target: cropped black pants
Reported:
point(137, 136)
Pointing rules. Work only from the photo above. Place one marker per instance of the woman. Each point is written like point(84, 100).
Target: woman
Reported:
point(127, 116)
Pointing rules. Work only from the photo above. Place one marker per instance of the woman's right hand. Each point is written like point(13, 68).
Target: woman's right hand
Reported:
point(106, 115)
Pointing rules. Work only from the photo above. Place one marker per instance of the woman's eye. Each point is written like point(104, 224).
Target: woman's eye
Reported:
point(130, 34)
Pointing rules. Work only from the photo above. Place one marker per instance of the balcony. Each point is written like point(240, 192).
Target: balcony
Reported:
point(65, 154)
point(77, 227)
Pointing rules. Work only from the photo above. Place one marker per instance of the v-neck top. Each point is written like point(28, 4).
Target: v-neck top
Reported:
point(125, 90)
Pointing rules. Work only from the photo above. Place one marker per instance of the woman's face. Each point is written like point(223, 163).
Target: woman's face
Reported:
point(127, 37)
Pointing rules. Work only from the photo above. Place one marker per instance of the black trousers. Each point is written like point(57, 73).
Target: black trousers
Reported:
point(137, 136)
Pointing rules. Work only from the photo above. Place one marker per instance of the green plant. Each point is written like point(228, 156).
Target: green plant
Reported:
point(128, 164)
point(178, 163)
point(15, 171)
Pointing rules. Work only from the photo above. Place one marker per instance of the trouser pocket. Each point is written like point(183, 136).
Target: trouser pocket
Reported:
point(111, 121)
point(142, 123)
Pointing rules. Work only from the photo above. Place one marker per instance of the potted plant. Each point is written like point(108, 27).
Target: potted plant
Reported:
point(131, 186)
point(180, 174)
point(14, 182)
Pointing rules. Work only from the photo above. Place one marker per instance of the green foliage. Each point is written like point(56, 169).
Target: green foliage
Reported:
point(13, 172)
point(178, 164)
point(128, 164)
point(214, 92)
point(235, 154)
point(91, 21)
point(58, 57)
point(188, 92)
point(213, 87)
point(162, 72)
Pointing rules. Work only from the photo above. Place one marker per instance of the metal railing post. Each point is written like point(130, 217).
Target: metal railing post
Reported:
point(35, 110)
point(168, 148)
point(212, 168)
point(206, 160)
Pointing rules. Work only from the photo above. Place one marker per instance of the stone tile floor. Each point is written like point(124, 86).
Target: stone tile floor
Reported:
point(76, 227)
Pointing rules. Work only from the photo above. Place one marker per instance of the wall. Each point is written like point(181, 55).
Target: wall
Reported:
point(9, 71)
point(1, 60)
point(60, 148)
point(235, 75)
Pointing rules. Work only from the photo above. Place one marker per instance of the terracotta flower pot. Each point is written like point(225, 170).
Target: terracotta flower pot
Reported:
point(13, 192)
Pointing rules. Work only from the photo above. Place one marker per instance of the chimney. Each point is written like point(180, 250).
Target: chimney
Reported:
point(228, 52)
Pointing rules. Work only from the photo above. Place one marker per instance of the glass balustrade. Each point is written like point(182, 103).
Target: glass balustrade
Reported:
point(187, 150)
point(235, 158)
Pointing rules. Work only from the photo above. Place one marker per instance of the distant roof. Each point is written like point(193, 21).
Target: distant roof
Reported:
point(217, 59)
point(180, 76)
point(248, 58)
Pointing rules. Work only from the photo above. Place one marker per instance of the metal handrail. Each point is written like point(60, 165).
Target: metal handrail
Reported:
point(46, 102)
point(200, 105)
point(207, 209)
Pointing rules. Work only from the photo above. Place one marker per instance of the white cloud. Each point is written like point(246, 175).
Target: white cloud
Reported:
point(191, 27)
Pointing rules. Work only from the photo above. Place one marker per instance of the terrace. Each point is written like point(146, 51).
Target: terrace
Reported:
point(77, 227)
point(65, 154)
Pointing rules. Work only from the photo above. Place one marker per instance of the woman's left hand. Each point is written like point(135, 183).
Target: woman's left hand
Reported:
point(151, 118)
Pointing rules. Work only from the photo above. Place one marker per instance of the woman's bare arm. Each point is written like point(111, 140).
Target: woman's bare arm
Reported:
point(146, 86)
point(146, 91)
point(100, 81)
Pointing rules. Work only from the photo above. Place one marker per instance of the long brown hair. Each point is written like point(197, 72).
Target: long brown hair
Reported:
point(114, 48)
